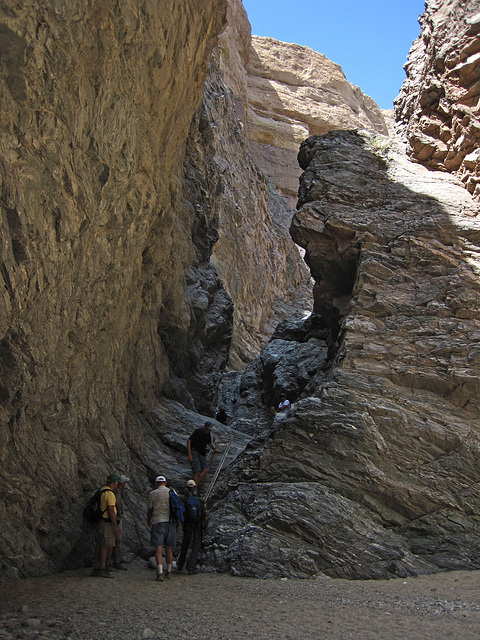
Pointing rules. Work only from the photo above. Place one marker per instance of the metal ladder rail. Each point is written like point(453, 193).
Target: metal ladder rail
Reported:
point(220, 465)
point(210, 451)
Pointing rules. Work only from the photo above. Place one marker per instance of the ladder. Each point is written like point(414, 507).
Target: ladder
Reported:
point(219, 468)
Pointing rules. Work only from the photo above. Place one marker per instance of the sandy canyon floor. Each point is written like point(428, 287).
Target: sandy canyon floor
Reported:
point(73, 605)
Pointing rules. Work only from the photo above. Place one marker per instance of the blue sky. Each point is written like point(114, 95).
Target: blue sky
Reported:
point(369, 39)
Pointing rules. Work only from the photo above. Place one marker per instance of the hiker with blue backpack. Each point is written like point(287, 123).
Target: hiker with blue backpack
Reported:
point(194, 527)
point(163, 526)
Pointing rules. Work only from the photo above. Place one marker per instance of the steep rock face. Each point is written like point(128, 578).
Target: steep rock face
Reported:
point(97, 101)
point(258, 262)
point(439, 100)
point(293, 93)
point(277, 93)
point(259, 265)
point(373, 473)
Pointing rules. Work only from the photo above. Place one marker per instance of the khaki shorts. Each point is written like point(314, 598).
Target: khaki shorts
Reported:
point(106, 533)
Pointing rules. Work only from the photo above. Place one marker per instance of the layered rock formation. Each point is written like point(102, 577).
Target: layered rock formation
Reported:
point(259, 265)
point(439, 101)
point(277, 94)
point(293, 93)
point(373, 473)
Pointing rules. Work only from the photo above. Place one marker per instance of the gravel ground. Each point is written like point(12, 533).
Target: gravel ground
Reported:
point(207, 606)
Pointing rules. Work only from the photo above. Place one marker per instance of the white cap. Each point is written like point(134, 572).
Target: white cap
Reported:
point(191, 483)
point(160, 479)
point(124, 479)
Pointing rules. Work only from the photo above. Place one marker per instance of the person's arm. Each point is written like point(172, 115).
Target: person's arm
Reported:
point(149, 517)
point(113, 518)
point(213, 448)
point(119, 509)
point(189, 450)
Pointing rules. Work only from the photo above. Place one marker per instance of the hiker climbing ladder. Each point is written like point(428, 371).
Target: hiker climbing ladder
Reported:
point(219, 468)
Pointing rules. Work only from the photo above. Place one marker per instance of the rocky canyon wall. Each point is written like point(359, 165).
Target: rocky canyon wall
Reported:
point(439, 101)
point(144, 244)
point(373, 473)
point(257, 260)
point(139, 243)
point(276, 94)
point(96, 104)
point(293, 93)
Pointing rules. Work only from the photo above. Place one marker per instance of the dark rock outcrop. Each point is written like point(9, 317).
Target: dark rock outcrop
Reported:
point(373, 473)
point(295, 362)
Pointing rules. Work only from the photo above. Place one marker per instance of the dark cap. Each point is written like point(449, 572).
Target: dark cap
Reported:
point(113, 478)
point(208, 425)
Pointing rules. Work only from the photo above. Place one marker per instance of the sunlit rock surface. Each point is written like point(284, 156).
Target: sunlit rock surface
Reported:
point(97, 102)
point(259, 264)
point(439, 100)
point(293, 93)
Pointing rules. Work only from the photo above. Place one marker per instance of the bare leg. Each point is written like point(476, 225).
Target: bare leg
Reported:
point(202, 476)
point(104, 555)
point(159, 558)
point(116, 554)
point(97, 556)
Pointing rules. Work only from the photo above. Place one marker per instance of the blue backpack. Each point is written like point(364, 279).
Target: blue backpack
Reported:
point(193, 509)
point(177, 508)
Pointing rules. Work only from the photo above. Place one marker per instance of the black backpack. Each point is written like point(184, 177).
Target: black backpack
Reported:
point(92, 512)
point(193, 509)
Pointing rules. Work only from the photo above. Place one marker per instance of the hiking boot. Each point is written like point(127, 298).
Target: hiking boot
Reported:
point(192, 572)
point(168, 575)
point(159, 577)
point(119, 567)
